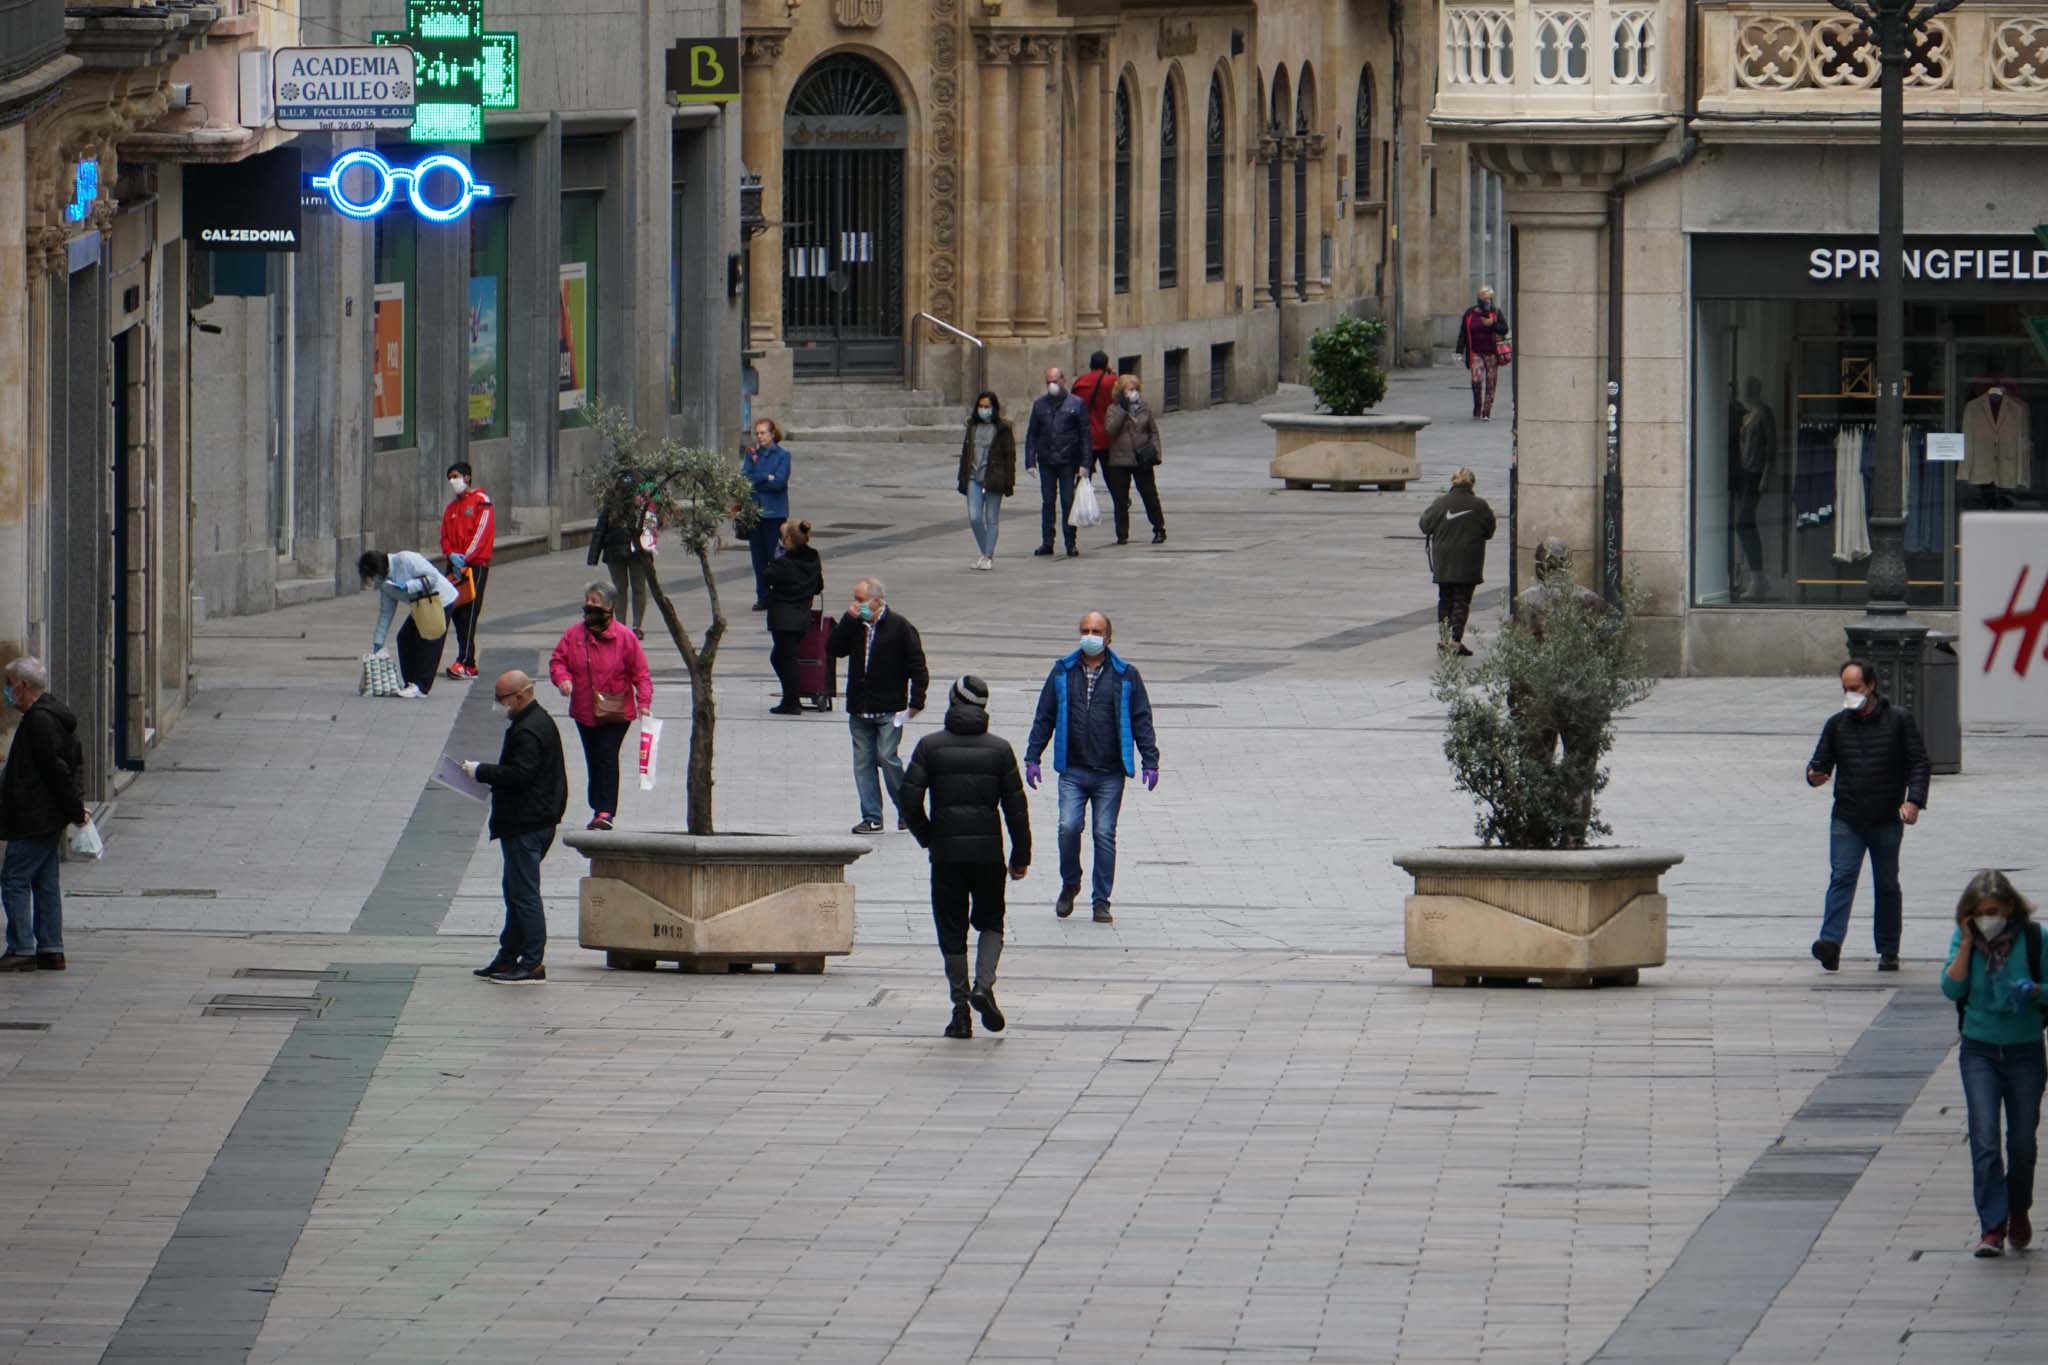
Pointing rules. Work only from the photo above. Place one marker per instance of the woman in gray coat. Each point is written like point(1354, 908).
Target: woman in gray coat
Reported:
point(1135, 450)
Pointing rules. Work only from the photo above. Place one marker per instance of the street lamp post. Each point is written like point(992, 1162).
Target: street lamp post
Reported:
point(1891, 640)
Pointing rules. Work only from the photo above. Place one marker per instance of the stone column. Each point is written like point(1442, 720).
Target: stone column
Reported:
point(1088, 152)
point(761, 125)
point(1261, 189)
point(1036, 218)
point(1317, 192)
point(1287, 149)
point(995, 211)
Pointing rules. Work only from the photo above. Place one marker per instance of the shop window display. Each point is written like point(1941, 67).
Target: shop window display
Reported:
point(577, 317)
point(489, 312)
point(393, 386)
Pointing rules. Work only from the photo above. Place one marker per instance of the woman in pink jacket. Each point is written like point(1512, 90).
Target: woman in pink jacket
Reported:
point(602, 670)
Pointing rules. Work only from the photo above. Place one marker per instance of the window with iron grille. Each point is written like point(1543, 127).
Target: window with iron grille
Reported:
point(1361, 137)
point(1169, 189)
point(1212, 205)
point(1120, 214)
point(1219, 374)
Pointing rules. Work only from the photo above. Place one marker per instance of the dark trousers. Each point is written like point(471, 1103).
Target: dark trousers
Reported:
point(525, 938)
point(782, 658)
point(956, 887)
point(762, 540)
point(2010, 1077)
point(462, 620)
point(1055, 486)
point(630, 570)
point(601, 763)
point(1454, 606)
point(1120, 481)
point(419, 661)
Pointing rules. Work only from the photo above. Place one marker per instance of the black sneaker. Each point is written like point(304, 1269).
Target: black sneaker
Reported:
point(1102, 915)
point(49, 962)
point(17, 962)
point(1159, 536)
point(962, 1025)
point(901, 824)
point(985, 1005)
point(868, 827)
point(522, 976)
point(1064, 906)
point(1888, 963)
point(1043, 552)
point(1829, 955)
point(1073, 552)
point(498, 964)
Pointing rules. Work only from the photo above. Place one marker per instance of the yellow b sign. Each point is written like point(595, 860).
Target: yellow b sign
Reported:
point(704, 70)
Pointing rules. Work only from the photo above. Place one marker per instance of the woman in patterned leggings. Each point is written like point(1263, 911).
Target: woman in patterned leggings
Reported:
point(1480, 335)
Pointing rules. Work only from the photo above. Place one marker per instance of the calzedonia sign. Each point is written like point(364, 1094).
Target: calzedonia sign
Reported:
point(246, 205)
point(1985, 268)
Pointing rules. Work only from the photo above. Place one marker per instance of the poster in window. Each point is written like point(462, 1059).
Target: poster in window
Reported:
point(483, 350)
point(387, 370)
point(574, 339)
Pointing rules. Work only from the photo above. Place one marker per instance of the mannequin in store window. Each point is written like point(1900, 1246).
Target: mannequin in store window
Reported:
point(1998, 447)
point(1756, 449)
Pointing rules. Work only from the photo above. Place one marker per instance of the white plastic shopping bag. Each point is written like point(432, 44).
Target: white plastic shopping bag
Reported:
point(86, 844)
point(1087, 512)
point(650, 749)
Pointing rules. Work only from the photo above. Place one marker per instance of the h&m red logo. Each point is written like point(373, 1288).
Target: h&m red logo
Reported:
point(2027, 622)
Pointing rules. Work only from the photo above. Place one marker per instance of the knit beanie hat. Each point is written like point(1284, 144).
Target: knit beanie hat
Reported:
point(970, 691)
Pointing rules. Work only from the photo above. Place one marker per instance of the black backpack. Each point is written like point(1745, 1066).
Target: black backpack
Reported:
point(2033, 934)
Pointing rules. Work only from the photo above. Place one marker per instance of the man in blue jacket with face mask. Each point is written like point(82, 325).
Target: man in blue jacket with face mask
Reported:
point(1094, 710)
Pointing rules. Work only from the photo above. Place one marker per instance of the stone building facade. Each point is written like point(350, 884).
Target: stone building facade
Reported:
point(1193, 190)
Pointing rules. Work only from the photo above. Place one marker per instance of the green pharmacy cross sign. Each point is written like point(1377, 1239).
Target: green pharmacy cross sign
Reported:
point(462, 69)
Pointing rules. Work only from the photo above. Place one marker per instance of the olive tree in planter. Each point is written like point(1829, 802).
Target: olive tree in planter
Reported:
point(1346, 446)
point(708, 901)
point(1528, 728)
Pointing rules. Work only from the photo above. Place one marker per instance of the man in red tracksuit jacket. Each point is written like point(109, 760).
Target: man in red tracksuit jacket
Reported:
point(469, 529)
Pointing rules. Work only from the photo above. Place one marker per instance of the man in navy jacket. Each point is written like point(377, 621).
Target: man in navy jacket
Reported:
point(1094, 710)
point(1057, 445)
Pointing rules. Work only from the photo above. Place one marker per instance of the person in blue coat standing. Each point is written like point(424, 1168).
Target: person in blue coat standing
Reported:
point(1094, 710)
point(767, 468)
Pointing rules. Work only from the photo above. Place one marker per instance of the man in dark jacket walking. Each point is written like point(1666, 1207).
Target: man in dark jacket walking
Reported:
point(40, 793)
point(1094, 710)
point(1057, 443)
point(886, 682)
point(1458, 525)
point(971, 775)
point(1872, 750)
point(529, 791)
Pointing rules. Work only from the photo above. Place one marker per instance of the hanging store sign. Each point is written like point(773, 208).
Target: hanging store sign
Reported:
point(704, 71)
point(363, 184)
point(246, 205)
point(462, 70)
point(338, 89)
point(832, 132)
point(2003, 655)
point(1831, 267)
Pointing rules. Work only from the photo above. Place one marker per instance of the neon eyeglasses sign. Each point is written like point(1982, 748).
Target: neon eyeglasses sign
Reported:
point(389, 180)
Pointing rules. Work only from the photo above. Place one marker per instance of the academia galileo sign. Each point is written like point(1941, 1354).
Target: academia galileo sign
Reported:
point(339, 89)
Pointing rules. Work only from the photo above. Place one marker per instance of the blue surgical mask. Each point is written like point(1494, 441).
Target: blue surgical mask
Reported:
point(7, 690)
point(985, 414)
point(1092, 645)
point(867, 611)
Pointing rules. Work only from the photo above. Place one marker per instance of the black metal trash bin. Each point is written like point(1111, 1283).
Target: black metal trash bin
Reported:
point(1940, 717)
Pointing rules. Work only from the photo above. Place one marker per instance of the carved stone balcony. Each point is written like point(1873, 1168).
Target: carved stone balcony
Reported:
point(1597, 70)
point(1767, 71)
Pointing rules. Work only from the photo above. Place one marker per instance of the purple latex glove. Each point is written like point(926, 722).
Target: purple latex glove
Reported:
point(1032, 772)
point(1150, 777)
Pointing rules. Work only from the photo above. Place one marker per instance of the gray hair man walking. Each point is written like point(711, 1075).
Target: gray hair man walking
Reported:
point(41, 792)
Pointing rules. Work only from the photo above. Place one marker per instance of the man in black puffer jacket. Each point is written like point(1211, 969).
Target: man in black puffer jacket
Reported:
point(971, 774)
point(1872, 749)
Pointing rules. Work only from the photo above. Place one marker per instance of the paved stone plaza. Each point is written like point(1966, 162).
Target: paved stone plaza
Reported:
point(1233, 1126)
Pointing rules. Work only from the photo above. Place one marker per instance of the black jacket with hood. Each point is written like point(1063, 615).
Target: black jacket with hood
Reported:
point(1458, 525)
point(41, 787)
point(1878, 762)
point(971, 775)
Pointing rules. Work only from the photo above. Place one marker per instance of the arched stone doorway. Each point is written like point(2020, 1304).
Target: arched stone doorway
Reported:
point(843, 137)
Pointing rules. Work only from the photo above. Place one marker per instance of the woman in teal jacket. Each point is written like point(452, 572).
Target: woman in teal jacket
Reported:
point(1994, 975)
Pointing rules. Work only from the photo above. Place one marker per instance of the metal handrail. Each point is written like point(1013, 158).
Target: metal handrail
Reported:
point(917, 350)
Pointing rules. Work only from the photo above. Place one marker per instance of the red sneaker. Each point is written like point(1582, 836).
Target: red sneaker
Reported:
point(1992, 1244)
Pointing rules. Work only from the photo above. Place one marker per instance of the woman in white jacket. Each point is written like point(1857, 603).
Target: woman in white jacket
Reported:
point(408, 577)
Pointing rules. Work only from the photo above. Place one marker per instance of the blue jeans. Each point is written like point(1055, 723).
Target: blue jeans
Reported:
point(1098, 796)
point(2013, 1076)
point(525, 938)
point(1846, 847)
point(1055, 485)
point(984, 515)
point(762, 543)
point(874, 745)
point(29, 874)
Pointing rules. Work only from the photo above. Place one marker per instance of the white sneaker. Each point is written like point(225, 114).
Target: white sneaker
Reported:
point(410, 693)
point(984, 563)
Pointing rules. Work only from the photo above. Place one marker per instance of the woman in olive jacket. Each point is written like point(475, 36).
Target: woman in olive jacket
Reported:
point(795, 579)
point(1135, 450)
point(988, 473)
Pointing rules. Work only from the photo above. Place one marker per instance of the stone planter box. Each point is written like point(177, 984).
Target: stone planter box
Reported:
point(1581, 917)
point(715, 903)
point(1345, 452)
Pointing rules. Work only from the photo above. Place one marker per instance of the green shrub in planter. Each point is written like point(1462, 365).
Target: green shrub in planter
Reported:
point(1344, 365)
point(1532, 718)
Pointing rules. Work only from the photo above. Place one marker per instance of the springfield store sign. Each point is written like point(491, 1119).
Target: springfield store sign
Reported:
point(341, 89)
point(1935, 267)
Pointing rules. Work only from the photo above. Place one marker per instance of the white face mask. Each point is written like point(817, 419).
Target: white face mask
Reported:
point(1054, 389)
point(1092, 645)
point(1853, 701)
point(1990, 926)
point(458, 486)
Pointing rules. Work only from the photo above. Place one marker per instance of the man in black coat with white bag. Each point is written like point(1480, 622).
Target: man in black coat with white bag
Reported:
point(971, 775)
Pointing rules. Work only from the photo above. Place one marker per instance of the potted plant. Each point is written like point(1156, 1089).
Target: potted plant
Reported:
point(705, 900)
point(1527, 731)
point(1346, 446)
